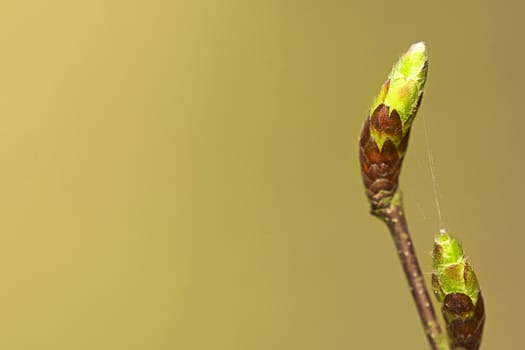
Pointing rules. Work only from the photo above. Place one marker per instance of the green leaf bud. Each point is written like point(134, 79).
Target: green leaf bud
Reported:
point(456, 286)
point(384, 137)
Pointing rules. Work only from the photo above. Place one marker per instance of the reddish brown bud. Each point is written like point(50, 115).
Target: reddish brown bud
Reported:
point(464, 321)
point(380, 168)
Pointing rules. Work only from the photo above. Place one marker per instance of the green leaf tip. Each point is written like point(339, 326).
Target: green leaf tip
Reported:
point(452, 271)
point(401, 95)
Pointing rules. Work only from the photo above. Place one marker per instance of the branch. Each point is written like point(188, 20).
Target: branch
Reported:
point(397, 224)
point(382, 148)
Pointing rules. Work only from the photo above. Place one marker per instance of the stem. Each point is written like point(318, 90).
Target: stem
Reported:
point(395, 219)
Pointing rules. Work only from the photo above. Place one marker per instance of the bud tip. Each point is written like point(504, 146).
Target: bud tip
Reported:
point(417, 48)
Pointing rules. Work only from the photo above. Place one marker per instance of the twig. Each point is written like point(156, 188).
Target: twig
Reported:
point(395, 219)
point(382, 147)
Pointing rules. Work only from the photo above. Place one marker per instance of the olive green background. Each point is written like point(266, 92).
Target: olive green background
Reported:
point(184, 175)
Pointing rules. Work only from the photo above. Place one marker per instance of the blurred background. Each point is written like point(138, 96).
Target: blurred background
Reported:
point(184, 174)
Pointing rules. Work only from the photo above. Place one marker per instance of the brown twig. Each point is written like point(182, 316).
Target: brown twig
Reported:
point(395, 219)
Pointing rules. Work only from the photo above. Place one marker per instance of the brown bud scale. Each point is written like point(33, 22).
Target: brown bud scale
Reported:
point(464, 320)
point(380, 168)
